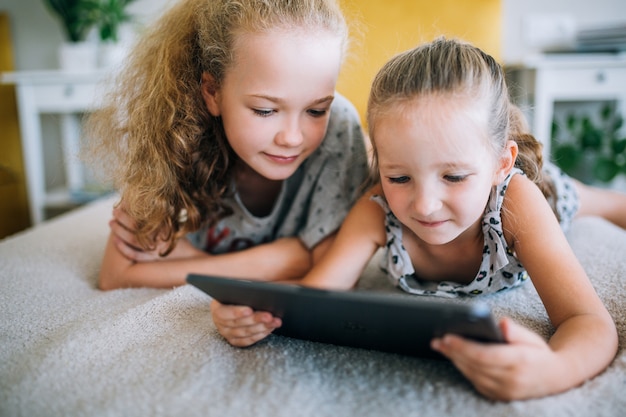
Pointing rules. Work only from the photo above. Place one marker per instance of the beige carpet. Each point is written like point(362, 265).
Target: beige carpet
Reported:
point(67, 349)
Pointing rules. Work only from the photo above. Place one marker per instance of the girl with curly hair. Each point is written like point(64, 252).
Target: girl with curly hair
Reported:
point(232, 152)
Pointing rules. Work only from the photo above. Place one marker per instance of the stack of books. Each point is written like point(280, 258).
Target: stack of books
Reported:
point(602, 39)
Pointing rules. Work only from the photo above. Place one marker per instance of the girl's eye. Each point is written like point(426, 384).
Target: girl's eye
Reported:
point(317, 113)
point(263, 112)
point(455, 178)
point(398, 180)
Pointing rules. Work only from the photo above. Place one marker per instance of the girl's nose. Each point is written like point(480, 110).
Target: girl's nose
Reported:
point(290, 135)
point(426, 201)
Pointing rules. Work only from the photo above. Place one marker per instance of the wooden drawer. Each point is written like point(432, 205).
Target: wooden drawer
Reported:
point(583, 83)
point(64, 97)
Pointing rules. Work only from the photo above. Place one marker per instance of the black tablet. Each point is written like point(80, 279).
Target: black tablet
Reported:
point(362, 319)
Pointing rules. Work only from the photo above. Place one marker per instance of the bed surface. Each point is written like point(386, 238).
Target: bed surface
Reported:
point(68, 349)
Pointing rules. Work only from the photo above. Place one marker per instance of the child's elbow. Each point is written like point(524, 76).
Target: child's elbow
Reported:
point(107, 283)
point(614, 338)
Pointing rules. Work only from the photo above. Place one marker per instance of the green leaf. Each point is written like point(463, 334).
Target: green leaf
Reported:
point(591, 138)
point(555, 130)
point(605, 169)
point(112, 15)
point(567, 156)
point(617, 123)
point(606, 112)
point(77, 16)
point(571, 121)
point(618, 146)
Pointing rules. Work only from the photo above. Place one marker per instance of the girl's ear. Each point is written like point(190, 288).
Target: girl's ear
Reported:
point(210, 93)
point(507, 161)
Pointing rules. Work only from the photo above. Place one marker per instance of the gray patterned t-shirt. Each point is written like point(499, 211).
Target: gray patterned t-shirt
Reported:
point(313, 201)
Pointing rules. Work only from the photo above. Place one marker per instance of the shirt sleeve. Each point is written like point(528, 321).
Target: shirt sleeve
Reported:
point(339, 169)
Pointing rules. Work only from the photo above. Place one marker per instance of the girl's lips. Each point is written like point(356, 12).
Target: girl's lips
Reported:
point(431, 224)
point(282, 159)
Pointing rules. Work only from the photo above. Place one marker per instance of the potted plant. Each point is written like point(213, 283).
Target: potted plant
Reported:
point(112, 14)
point(78, 18)
point(591, 149)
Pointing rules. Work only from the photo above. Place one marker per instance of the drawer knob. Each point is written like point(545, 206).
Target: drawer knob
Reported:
point(69, 90)
point(600, 76)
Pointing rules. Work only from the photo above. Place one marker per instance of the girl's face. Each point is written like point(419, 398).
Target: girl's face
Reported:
point(435, 166)
point(275, 100)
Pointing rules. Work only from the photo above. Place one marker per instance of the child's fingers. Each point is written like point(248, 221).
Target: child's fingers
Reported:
point(123, 227)
point(240, 317)
point(248, 340)
point(484, 355)
point(517, 334)
point(473, 356)
point(248, 330)
point(123, 234)
point(133, 254)
point(471, 359)
point(128, 245)
point(221, 312)
point(240, 325)
point(120, 216)
point(476, 359)
point(499, 371)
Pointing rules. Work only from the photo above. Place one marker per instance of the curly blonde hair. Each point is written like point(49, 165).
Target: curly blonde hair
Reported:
point(153, 135)
point(451, 66)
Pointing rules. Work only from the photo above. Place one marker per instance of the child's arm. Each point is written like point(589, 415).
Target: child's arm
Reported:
point(125, 264)
point(242, 326)
point(360, 235)
point(282, 259)
point(339, 267)
point(585, 340)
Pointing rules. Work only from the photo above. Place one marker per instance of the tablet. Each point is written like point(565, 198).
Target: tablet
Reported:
point(361, 319)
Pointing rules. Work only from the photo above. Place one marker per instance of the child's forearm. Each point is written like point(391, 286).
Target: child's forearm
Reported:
point(587, 344)
point(526, 366)
point(117, 271)
point(283, 259)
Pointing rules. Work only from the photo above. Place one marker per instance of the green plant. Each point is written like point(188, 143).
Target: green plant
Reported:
point(78, 17)
point(591, 150)
point(112, 13)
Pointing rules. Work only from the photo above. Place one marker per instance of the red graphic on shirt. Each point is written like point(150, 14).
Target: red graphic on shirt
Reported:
point(215, 237)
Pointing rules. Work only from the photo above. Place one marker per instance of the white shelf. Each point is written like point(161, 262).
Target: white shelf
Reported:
point(550, 78)
point(65, 93)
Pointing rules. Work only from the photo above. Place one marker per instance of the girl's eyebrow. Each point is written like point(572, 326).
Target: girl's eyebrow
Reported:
point(279, 100)
point(458, 165)
point(390, 166)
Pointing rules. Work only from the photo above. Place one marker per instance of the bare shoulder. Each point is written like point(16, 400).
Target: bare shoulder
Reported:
point(368, 217)
point(367, 203)
point(520, 190)
point(525, 209)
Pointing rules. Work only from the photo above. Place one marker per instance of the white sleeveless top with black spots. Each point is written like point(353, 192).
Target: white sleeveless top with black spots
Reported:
point(499, 270)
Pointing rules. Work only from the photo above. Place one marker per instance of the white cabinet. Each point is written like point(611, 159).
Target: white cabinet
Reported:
point(64, 93)
point(547, 79)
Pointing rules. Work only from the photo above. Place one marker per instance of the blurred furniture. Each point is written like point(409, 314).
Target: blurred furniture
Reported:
point(13, 200)
point(547, 79)
point(54, 92)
